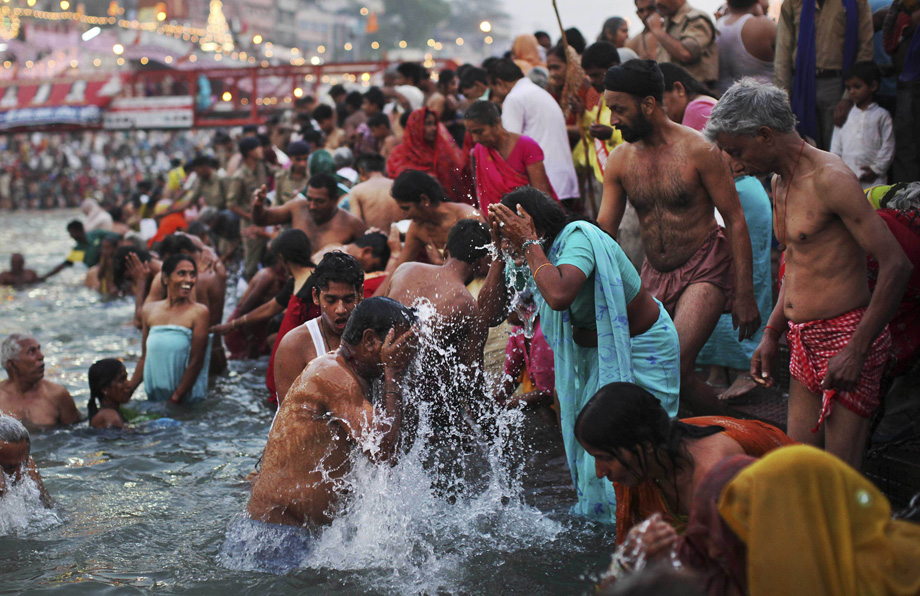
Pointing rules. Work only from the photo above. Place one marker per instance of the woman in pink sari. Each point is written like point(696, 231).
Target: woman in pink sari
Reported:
point(502, 161)
point(428, 147)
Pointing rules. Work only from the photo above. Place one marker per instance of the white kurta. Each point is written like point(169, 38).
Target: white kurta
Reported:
point(866, 140)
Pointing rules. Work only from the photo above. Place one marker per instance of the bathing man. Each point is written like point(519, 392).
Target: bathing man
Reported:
point(674, 178)
point(26, 394)
point(329, 410)
point(838, 337)
point(15, 459)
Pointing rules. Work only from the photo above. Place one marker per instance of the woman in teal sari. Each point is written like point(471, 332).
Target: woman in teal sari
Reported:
point(601, 324)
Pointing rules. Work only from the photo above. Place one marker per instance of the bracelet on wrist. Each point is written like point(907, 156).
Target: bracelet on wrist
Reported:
point(528, 243)
point(773, 328)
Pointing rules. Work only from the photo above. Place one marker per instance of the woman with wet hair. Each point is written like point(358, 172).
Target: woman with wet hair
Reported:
point(174, 363)
point(654, 462)
point(108, 390)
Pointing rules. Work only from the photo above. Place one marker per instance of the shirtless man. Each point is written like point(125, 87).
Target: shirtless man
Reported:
point(15, 459)
point(329, 411)
point(338, 287)
point(459, 328)
point(318, 215)
point(18, 275)
point(422, 200)
point(26, 395)
point(370, 199)
point(837, 335)
point(674, 178)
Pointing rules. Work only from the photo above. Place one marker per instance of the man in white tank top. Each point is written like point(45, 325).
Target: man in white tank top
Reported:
point(747, 40)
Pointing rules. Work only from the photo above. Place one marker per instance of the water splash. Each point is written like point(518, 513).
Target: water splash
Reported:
point(453, 495)
point(21, 510)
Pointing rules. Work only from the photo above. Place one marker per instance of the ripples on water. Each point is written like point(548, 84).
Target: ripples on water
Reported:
point(150, 508)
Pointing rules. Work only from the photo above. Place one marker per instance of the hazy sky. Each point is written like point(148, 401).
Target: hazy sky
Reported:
point(528, 16)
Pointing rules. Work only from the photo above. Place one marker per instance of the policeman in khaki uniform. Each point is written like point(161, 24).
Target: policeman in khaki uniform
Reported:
point(251, 175)
point(211, 187)
point(293, 181)
point(686, 36)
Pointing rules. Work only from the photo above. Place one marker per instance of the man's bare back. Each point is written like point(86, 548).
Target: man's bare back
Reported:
point(45, 405)
point(310, 444)
point(371, 202)
point(663, 183)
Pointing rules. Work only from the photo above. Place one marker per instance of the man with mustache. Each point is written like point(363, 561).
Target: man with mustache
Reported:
point(675, 179)
point(26, 394)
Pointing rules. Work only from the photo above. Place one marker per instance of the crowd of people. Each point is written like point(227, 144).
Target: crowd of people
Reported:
point(595, 231)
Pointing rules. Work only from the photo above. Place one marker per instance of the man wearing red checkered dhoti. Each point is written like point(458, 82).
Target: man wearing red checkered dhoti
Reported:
point(837, 332)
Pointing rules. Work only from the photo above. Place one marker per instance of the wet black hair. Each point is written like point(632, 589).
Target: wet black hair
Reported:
point(472, 76)
point(197, 228)
point(866, 71)
point(170, 264)
point(468, 240)
point(674, 73)
point(548, 215)
point(505, 70)
point(101, 375)
point(576, 39)
point(483, 112)
point(322, 112)
point(75, 226)
point(412, 184)
point(227, 225)
point(116, 212)
point(413, 71)
point(354, 99)
point(624, 416)
point(379, 245)
point(741, 4)
point(375, 96)
point(174, 244)
point(601, 54)
point(378, 119)
point(372, 162)
point(120, 265)
point(379, 314)
point(294, 245)
point(327, 181)
point(339, 267)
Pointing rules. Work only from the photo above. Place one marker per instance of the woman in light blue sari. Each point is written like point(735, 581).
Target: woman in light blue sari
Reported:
point(174, 364)
point(601, 324)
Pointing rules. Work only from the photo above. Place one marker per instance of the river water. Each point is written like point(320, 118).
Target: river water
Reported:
point(148, 510)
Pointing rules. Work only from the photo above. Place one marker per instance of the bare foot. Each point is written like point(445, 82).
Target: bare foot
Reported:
point(742, 385)
point(718, 376)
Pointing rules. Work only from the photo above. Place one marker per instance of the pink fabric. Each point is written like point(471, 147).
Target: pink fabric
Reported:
point(539, 361)
point(496, 176)
point(696, 115)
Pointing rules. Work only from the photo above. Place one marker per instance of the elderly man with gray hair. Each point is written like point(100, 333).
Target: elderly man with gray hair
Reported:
point(15, 459)
point(837, 333)
point(26, 395)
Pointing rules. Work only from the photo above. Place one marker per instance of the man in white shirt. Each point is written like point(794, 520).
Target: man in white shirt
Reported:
point(529, 110)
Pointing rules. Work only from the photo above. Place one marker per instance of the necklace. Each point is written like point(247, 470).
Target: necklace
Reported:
point(781, 237)
point(322, 333)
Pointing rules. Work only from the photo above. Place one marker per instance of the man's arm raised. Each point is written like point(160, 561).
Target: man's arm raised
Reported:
point(843, 196)
point(613, 201)
point(269, 216)
point(718, 182)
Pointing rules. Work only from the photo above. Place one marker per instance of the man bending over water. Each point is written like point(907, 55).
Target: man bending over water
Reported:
point(334, 406)
point(15, 459)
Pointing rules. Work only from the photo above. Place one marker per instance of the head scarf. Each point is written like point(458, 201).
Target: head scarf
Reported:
point(708, 545)
point(525, 51)
point(443, 160)
point(321, 161)
point(97, 218)
point(413, 95)
point(814, 526)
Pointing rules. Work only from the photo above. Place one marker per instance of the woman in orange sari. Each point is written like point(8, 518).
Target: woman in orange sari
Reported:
point(656, 463)
point(428, 147)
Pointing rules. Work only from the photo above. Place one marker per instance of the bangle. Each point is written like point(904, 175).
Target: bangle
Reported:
point(528, 243)
point(546, 264)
